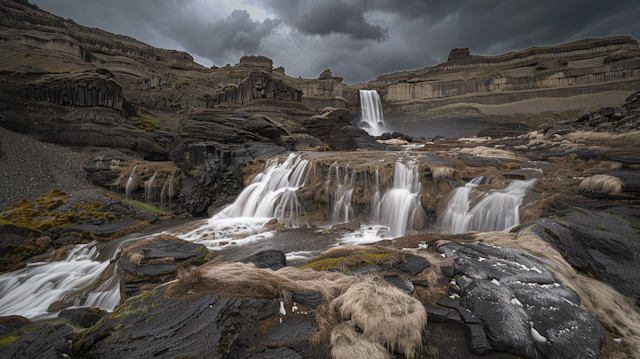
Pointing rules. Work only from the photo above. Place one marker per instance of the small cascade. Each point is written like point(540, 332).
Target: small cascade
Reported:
point(400, 207)
point(130, 182)
point(497, 211)
point(43, 283)
point(148, 189)
point(272, 194)
point(167, 190)
point(371, 108)
point(375, 200)
point(342, 211)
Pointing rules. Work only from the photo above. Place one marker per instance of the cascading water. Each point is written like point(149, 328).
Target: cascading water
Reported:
point(400, 207)
point(130, 182)
point(498, 211)
point(167, 190)
point(272, 194)
point(342, 211)
point(371, 108)
point(148, 189)
point(43, 283)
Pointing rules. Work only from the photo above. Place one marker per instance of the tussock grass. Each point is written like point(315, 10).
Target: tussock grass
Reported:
point(602, 184)
point(616, 139)
point(347, 343)
point(619, 314)
point(384, 313)
point(189, 276)
point(136, 258)
point(439, 173)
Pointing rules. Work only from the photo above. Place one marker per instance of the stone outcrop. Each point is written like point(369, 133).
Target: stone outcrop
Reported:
point(259, 85)
point(333, 127)
point(261, 62)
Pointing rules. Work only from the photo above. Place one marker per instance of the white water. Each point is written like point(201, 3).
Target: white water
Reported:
point(497, 211)
point(167, 190)
point(148, 189)
point(272, 194)
point(371, 108)
point(129, 188)
point(29, 292)
point(343, 194)
point(400, 207)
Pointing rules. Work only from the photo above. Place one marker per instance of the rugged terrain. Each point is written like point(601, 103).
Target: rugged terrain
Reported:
point(105, 141)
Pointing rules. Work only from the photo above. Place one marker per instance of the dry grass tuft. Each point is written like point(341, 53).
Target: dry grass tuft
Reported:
point(385, 314)
point(189, 276)
point(602, 184)
point(439, 173)
point(617, 313)
point(162, 260)
point(136, 258)
point(348, 344)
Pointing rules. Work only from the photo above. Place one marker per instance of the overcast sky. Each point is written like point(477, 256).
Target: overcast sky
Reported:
point(356, 39)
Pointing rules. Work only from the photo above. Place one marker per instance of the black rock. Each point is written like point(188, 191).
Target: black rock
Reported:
point(447, 271)
point(45, 341)
point(413, 265)
point(82, 317)
point(398, 135)
point(385, 136)
point(441, 315)
point(598, 243)
point(270, 258)
point(421, 283)
point(12, 323)
point(466, 315)
point(401, 283)
point(310, 299)
point(476, 339)
point(62, 240)
point(292, 328)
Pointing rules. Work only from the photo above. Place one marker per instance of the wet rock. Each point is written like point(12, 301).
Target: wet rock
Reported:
point(348, 226)
point(292, 328)
point(465, 314)
point(12, 323)
point(401, 283)
point(277, 353)
point(447, 271)
point(597, 243)
point(45, 341)
point(103, 230)
point(157, 261)
point(83, 317)
point(513, 293)
point(270, 258)
point(441, 315)
point(311, 299)
point(413, 265)
point(203, 326)
point(476, 339)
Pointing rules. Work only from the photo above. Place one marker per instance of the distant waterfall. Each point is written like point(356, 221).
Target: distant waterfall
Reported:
point(400, 207)
point(371, 108)
point(148, 189)
point(130, 183)
point(498, 211)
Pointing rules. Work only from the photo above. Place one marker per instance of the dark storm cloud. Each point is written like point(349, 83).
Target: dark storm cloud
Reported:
point(357, 39)
point(328, 17)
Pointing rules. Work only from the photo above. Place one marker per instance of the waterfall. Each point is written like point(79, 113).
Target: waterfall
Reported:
point(148, 189)
point(342, 211)
point(271, 194)
point(497, 211)
point(129, 188)
point(400, 207)
point(371, 108)
point(43, 283)
point(167, 189)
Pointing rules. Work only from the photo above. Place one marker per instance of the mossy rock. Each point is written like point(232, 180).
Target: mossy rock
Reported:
point(53, 200)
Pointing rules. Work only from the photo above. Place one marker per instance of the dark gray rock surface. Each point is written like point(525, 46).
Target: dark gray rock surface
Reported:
point(412, 265)
point(270, 258)
point(47, 341)
point(514, 294)
point(82, 317)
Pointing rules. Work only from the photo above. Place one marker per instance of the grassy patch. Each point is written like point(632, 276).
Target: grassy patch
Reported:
point(146, 207)
point(347, 263)
point(148, 122)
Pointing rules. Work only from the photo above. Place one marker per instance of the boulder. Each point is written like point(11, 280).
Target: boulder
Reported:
point(12, 323)
point(82, 317)
point(270, 258)
point(46, 341)
point(598, 243)
point(334, 128)
point(157, 261)
point(522, 307)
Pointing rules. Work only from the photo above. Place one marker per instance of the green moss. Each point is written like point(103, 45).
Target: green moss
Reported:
point(146, 121)
point(146, 207)
point(550, 232)
point(559, 218)
point(602, 226)
point(7, 340)
point(347, 263)
point(52, 200)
